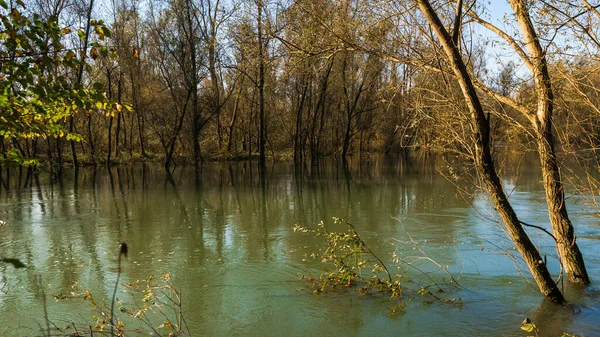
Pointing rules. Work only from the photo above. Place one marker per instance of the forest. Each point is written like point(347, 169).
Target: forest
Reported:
point(183, 81)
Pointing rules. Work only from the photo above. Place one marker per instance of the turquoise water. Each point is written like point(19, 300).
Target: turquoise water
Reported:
point(229, 247)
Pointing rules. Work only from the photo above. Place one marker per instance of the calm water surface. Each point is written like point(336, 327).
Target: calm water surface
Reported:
point(230, 249)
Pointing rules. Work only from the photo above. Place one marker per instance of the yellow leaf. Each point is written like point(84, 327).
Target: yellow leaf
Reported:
point(16, 14)
point(100, 33)
point(93, 53)
point(136, 53)
point(65, 30)
point(70, 55)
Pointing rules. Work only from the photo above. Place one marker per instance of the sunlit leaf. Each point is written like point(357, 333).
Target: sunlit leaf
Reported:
point(100, 33)
point(70, 55)
point(94, 53)
point(528, 327)
point(16, 14)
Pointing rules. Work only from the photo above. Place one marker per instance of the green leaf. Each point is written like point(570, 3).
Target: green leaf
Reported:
point(98, 86)
point(3, 4)
point(106, 31)
point(70, 55)
point(4, 95)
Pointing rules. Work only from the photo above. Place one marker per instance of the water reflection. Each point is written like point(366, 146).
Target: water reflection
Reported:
point(224, 233)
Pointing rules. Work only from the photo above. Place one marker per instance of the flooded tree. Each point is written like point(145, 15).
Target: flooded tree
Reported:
point(483, 157)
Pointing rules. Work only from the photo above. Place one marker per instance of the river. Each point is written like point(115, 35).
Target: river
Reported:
point(227, 242)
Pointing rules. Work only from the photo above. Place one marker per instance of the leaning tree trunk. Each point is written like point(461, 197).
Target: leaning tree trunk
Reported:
point(485, 165)
point(562, 227)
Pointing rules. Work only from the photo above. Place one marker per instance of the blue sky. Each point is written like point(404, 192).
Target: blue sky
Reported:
point(498, 53)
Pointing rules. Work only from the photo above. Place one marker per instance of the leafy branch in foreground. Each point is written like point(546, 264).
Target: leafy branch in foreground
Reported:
point(38, 92)
point(355, 264)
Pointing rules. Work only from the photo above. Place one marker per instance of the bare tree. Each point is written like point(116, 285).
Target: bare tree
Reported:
point(484, 162)
point(540, 116)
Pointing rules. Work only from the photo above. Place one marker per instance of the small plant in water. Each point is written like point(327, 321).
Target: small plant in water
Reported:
point(153, 303)
point(356, 265)
point(529, 326)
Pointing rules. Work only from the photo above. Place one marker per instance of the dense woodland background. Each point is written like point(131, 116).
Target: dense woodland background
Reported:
point(304, 79)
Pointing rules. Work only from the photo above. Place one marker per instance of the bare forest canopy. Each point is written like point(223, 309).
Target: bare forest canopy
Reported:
point(181, 81)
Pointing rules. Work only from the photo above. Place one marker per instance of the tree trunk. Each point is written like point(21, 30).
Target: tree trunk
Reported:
point(193, 79)
point(320, 107)
point(350, 112)
point(485, 165)
point(119, 100)
point(136, 110)
point(214, 78)
point(59, 155)
point(80, 76)
point(90, 140)
point(261, 87)
point(298, 148)
point(234, 118)
point(562, 227)
point(110, 122)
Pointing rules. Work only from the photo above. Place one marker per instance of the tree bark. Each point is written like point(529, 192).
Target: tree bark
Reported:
point(320, 107)
point(194, 79)
point(484, 162)
point(119, 100)
point(298, 149)
point(566, 245)
point(234, 119)
point(261, 86)
point(110, 121)
point(79, 77)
